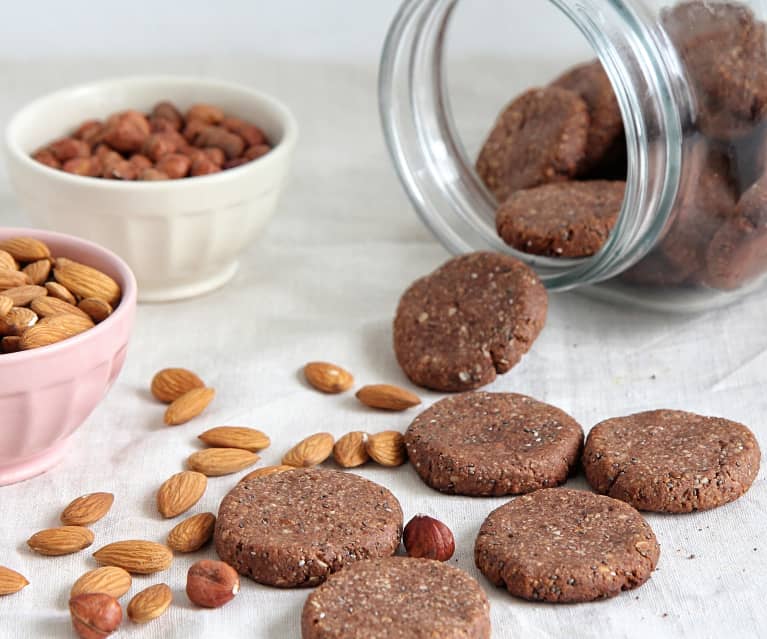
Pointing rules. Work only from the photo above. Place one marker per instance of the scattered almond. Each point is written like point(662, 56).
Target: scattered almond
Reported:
point(310, 451)
point(11, 581)
point(12, 279)
point(87, 509)
point(110, 580)
point(349, 451)
point(387, 397)
point(23, 295)
point(48, 306)
point(150, 603)
point(192, 533)
point(235, 437)
point(97, 309)
point(85, 281)
point(387, 448)
point(215, 462)
point(6, 304)
point(188, 406)
point(60, 292)
point(180, 492)
point(50, 330)
point(7, 261)
point(267, 470)
point(136, 556)
point(63, 540)
point(327, 377)
point(171, 383)
point(25, 249)
point(17, 321)
point(38, 271)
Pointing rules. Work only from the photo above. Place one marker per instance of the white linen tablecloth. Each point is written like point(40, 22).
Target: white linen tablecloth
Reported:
point(322, 283)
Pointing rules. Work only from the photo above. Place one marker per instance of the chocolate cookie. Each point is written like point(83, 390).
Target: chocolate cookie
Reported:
point(563, 545)
point(590, 81)
point(654, 270)
point(566, 219)
point(738, 251)
point(397, 598)
point(295, 528)
point(473, 317)
point(670, 460)
point(722, 46)
point(493, 444)
point(539, 138)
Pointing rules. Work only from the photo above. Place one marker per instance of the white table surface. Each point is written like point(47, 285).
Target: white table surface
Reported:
point(322, 283)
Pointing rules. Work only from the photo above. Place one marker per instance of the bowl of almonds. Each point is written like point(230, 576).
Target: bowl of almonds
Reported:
point(66, 313)
point(176, 175)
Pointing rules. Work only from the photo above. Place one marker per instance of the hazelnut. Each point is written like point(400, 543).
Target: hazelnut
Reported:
point(140, 161)
point(215, 155)
point(152, 175)
point(247, 131)
point(233, 164)
point(211, 584)
point(45, 156)
point(159, 144)
point(168, 113)
point(68, 148)
point(230, 143)
point(193, 128)
point(95, 615)
point(126, 131)
point(89, 132)
point(429, 538)
point(206, 113)
point(175, 165)
point(203, 166)
point(90, 166)
point(255, 152)
point(117, 168)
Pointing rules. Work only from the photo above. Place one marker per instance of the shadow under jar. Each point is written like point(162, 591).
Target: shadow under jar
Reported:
point(690, 81)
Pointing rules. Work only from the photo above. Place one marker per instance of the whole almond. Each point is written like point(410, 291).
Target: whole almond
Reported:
point(60, 292)
point(387, 397)
point(235, 437)
point(215, 462)
point(63, 540)
point(150, 603)
point(23, 295)
point(6, 304)
point(87, 509)
point(327, 377)
point(311, 451)
point(48, 306)
point(188, 406)
point(97, 309)
point(110, 580)
point(136, 556)
point(86, 281)
point(171, 383)
point(349, 451)
point(7, 261)
point(25, 249)
point(11, 581)
point(56, 328)
point(266, 471)
point(38, 271)
point(192, 533)
point(17, 321)
point(180, 492)
point(12, 279)
point(387, 448)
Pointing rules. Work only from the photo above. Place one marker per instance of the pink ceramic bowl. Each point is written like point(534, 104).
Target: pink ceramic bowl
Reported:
point(46, 393)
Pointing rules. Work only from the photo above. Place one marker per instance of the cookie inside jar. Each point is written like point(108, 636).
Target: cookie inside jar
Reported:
point(555, 160)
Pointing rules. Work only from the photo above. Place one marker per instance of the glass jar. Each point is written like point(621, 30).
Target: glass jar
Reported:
point(692, 97)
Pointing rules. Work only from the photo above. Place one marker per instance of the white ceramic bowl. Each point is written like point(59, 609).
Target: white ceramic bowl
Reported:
point(181, 237)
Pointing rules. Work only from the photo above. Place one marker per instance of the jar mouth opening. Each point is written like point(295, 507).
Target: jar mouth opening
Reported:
point(441, 181)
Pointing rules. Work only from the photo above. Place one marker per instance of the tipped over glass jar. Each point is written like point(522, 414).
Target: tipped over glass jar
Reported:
point(641, 176)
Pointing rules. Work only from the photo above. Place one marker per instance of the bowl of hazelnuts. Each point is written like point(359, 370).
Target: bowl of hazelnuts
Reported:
point(176, 175)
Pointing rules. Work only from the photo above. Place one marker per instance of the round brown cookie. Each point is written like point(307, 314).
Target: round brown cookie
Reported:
point(539, 138)
point(722, 46)
point(590, 81)
point(563, 545)
point(295, 528)
point(566, 219)
point(493, 444)
point(707, 199)
point(397, 598)
point(738, 251)
point(476, 315)
point(670, 460)
point(654, 270)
